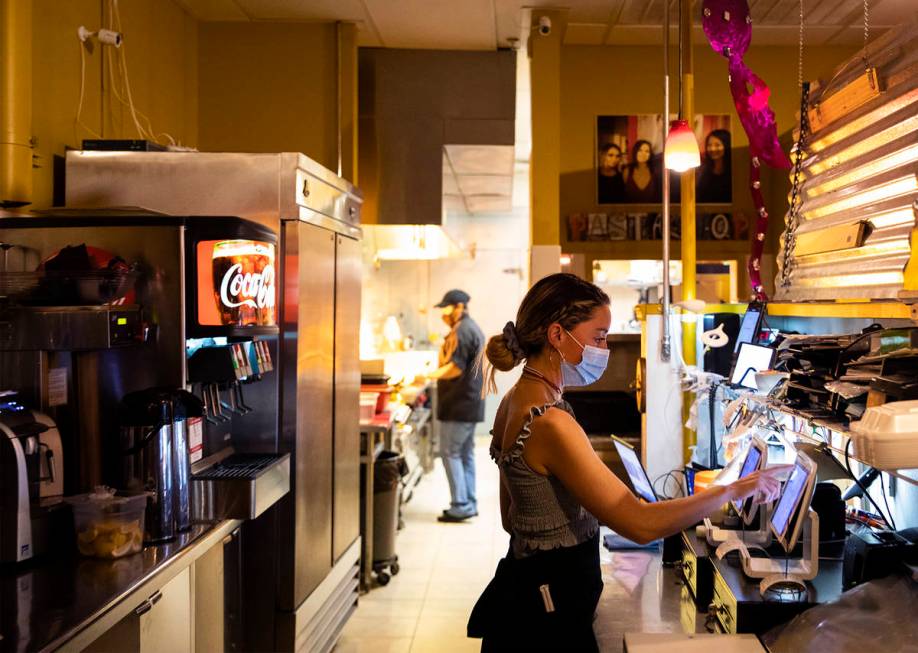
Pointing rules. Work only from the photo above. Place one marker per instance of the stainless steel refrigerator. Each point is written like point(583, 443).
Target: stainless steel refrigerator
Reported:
point(301, 561)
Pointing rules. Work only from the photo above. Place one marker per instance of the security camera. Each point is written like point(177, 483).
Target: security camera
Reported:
point(544, 25)
point(104, 36)
point(108, 37)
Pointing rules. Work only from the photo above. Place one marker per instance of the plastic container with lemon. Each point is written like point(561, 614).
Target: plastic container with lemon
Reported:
point(108, 525)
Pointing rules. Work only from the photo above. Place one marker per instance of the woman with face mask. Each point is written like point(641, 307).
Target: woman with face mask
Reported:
point(554, 489)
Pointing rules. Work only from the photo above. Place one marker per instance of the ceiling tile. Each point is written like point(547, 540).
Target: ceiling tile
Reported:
point(450, 187)
point(303, 10)
point(435, 24)
point(485, 184)
point(488, 203)
point(635, 12)
point(454, 203)
point(487, 24)
point(480, 159)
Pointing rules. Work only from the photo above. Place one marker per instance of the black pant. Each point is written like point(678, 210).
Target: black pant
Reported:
point(514, 613)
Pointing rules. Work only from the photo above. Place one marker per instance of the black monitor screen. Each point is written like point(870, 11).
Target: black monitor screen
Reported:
point(748, 327)
point(749, 466)
point(639, 479)
point(790, 497)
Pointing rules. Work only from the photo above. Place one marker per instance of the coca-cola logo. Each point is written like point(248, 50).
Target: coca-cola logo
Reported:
point(249, 289)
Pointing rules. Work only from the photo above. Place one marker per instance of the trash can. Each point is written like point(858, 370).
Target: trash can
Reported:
point(388, 470)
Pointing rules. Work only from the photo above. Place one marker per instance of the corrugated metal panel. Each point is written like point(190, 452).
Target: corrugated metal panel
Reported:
point(861, 168)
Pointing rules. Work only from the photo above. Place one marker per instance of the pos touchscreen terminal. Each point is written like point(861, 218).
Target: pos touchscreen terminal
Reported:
point(791, 518)
point(726, 540)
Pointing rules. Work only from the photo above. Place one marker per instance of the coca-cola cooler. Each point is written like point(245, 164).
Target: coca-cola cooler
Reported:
point(301, 574)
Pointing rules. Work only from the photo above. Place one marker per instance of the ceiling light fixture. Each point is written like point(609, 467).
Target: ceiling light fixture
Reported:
point(681, 151)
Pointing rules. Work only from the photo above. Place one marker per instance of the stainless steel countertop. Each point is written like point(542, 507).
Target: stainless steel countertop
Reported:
point(66, 602)
point(641, 595)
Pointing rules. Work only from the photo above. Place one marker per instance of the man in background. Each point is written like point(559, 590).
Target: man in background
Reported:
point(459, 403)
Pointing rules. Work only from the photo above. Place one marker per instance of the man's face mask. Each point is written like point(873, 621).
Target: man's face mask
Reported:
point(589, 369)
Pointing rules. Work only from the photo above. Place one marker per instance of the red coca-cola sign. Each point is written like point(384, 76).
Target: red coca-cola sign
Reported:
point(236, 283)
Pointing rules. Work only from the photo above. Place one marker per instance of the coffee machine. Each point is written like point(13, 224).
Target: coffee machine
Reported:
point(31, 479)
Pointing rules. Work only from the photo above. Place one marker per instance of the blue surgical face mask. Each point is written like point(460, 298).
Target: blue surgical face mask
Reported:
point(589, 369)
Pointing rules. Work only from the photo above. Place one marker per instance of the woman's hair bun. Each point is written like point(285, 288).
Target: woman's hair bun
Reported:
point(499, 354)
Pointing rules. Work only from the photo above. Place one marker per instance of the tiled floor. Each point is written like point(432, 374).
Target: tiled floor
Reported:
point(444, 568)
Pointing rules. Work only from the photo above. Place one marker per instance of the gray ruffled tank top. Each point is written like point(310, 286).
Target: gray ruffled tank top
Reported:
point(543, 514)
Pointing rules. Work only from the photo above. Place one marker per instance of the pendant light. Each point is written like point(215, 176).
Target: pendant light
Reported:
point(681, 151)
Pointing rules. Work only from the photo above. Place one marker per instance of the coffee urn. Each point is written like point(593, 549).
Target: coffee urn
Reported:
point(154, 448)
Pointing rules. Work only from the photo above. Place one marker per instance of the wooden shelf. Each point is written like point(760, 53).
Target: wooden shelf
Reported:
point(653, 249)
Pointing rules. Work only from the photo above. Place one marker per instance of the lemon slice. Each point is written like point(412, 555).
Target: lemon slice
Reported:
point(123, 550)
point(87, 536)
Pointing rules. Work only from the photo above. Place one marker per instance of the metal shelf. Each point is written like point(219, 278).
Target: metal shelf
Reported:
point(838, 434)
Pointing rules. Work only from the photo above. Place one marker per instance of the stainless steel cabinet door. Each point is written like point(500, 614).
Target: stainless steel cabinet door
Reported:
point(306, 427)
point(346, 515)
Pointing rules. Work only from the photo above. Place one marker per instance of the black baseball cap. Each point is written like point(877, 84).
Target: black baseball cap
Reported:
point(453, 297)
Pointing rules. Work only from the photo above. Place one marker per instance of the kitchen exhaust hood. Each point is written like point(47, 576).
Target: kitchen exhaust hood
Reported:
point(436, 134)
point(409, 242)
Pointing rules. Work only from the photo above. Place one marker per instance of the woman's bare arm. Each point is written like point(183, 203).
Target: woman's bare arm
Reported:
point(559, 446)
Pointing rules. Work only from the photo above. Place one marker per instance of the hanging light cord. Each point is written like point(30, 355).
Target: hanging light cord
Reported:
point(679, 4)
point(866, 34)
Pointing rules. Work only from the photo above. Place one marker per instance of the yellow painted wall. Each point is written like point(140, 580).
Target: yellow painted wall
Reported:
point(546, 73)
point(628, 80)
point(269, 87)
point(160, 47)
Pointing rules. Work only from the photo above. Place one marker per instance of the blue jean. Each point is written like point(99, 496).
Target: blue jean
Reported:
point(457, 448)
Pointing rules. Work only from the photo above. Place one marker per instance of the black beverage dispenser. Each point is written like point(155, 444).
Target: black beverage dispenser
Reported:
point(192, 284)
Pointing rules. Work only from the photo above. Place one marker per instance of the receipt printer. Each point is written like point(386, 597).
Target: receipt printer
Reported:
point(875, 554)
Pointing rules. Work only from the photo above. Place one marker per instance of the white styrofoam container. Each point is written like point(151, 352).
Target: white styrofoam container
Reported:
point(887, 436)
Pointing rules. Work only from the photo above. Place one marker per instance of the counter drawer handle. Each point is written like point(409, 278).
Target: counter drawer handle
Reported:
point(148, 604)
point(231, 537)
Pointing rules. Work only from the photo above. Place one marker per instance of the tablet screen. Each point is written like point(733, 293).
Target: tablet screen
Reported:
point(790, 497)
point(751, 359)
point(636, 473)
point(748, 327)
point(749, 465)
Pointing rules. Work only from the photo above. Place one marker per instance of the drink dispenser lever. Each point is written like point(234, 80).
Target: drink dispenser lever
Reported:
point(217, 403)
point(208, 411)
point(240, 400)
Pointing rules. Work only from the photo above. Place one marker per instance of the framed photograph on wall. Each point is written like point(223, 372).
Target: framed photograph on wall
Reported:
point(629, 160)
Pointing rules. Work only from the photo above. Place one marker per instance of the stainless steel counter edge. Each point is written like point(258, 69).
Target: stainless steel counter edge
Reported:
point(110, 614)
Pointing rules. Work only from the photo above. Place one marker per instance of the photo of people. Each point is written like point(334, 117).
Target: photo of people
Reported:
point(629, 160)
point(714, 178)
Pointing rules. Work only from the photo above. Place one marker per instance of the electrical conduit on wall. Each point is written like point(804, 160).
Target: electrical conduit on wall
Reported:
point(15, 103)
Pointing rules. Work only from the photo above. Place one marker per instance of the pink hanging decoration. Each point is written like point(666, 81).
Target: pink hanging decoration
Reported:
point(728, 26)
